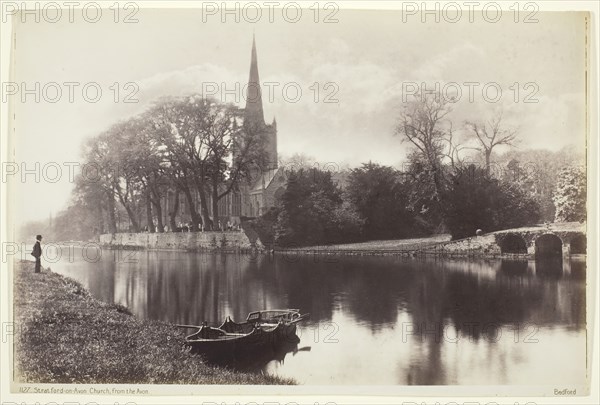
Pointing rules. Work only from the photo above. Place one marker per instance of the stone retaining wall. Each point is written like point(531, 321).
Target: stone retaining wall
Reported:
point(189, 241)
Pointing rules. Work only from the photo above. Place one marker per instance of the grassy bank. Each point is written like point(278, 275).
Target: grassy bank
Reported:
point(377, 245)
point(68, 336)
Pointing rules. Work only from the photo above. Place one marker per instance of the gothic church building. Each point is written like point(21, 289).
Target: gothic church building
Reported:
point(253, 197)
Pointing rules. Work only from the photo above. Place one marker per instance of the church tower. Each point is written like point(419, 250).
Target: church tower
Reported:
point(254, 117)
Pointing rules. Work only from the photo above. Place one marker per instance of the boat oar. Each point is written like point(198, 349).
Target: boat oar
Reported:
point(301, 318)
point(302, 349)
point(188, 326)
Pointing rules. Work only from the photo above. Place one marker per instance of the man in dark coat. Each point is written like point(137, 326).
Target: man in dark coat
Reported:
point(37, 253)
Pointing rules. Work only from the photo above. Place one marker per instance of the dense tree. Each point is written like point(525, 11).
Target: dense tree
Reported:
point(265, 225)
point(475, 200)
point(123, 146)
point(181, 125)
point(570, 195)
point(423, 199)
point(312, 211)
point(381, 200)
point(536, 172)
point(192, 144)
point(97, 204)
point(206, 147)
point(100, 172)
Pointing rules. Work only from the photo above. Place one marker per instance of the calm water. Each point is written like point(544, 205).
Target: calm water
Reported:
point(374, 320)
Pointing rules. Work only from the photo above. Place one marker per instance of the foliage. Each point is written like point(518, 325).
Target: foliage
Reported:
point(423, 199)
point(312, 211)
point(264, 225)
point(193, 144)
point(476, 200)
point(200, 147)
point(536, 173)
point(570, 195)
point(380, 198)
point(347, 223)
point(425, 126)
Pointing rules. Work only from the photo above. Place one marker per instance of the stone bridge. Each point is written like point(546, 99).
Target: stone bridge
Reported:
point(543, 241)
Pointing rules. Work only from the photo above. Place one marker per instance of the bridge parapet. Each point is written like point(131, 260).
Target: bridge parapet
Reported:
point(527, 240)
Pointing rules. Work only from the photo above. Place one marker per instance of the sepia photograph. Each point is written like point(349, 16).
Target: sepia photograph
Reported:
point(372, 202)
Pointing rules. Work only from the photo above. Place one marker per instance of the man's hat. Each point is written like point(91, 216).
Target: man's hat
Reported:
point(38, 237)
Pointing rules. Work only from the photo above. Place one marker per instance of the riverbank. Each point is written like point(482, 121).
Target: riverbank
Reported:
point(67, 336)
point(207, 241)
point(517, 243)
point(373, 248)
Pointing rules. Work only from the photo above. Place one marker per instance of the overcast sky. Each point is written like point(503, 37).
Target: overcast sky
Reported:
point(368, 56)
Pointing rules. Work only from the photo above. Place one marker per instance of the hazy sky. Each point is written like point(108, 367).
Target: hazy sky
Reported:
point(367, 56)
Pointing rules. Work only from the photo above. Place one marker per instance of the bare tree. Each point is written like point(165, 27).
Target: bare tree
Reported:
point(420, 124)
point(455, 148)
point(243, 144)
point(423, 123)
point(491, 134)
point(178, 125)
point(204, 146)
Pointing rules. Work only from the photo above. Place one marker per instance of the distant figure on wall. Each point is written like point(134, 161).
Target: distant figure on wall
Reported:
point(37, 253)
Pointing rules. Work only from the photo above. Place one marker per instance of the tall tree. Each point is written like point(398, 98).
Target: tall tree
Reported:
point(243, 145)
point(312, 211)
point(124, 147)
point(100, 171)
point(424, 124)
point(96, 203)
point(491, 134)
point(475, 200)
point(378, 195)
point(180, 125)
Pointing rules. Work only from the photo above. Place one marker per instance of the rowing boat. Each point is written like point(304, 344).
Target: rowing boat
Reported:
point(262, 329)
point(288, 318)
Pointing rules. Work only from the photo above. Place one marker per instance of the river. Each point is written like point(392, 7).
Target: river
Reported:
point(374, 320)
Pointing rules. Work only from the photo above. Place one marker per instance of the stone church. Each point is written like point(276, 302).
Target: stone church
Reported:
point(253, 197)
point(259, 195)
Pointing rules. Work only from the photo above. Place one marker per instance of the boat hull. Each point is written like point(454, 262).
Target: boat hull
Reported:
point(236, 342)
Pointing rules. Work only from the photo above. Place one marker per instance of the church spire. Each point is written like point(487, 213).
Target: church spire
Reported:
point(254, 107)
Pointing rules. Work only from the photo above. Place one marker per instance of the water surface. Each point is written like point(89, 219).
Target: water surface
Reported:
point(374, 320)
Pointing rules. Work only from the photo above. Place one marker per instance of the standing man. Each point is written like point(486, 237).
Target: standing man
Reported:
point(37, 253)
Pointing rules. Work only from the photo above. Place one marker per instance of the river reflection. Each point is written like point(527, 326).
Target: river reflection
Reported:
point(374, 320)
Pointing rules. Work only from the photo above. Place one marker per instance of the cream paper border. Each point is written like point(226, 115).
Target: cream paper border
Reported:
point(187, 394)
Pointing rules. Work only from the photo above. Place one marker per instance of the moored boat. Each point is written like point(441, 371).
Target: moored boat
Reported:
point(216, 343)
point(276, 315)
point(262, 329)
point(288, 318)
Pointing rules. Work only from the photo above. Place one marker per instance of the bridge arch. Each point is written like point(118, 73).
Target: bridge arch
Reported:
point(579, 244)
point(548, 245)
point(513, 243)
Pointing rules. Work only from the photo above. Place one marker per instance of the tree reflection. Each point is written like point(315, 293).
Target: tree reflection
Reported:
point(468, 298)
